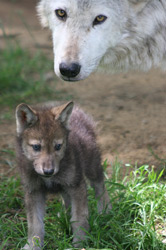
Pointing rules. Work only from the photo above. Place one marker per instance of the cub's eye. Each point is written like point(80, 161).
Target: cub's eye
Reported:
point(58, 147)
point(61, 14)
point(99, 19)
point(36, 147)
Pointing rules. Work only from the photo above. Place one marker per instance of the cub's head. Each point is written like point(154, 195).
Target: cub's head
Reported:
point(44, 133)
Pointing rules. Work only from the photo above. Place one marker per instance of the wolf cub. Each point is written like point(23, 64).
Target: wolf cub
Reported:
point(56, 149)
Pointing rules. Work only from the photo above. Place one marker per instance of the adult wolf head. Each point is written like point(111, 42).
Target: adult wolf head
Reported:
point(117, 32)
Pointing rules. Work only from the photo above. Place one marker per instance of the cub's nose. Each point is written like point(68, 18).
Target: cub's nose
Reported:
point(48, 172)
point(69, 70)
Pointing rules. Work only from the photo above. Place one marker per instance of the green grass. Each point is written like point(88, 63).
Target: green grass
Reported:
point(136, 221)
point(22, 77)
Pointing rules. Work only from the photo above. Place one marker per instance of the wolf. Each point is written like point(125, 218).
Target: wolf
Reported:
point(56, 152)
point(120, 35)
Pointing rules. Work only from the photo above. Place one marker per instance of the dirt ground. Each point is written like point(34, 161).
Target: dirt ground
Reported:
point(130, 108)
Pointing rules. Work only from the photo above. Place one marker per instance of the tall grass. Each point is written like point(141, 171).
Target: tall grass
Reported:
point(136, 221)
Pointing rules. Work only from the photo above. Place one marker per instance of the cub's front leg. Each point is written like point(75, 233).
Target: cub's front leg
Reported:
point(35, 208)
point(79, 213)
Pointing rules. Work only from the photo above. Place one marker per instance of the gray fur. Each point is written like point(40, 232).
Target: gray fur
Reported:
point(132, 38)
point(78, 157)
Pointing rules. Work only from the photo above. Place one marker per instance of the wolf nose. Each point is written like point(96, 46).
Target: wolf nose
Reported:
point(48, 172)
point(69, 70)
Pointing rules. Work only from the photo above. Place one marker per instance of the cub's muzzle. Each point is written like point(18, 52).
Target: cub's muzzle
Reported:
point(48, 172)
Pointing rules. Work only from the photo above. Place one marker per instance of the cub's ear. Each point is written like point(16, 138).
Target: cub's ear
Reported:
point(42, 13)
point(25, 117)
point(62, 113)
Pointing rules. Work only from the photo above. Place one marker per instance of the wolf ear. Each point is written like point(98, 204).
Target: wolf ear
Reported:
point(25, 117)
point(62, 113)
point(41, 10)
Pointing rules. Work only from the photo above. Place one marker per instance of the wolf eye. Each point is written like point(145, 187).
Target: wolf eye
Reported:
point(99, 19)
point(61, 14)
point(58, 147)
point(36, 147)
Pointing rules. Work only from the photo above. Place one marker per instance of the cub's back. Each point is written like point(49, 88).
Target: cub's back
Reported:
point(82, 125)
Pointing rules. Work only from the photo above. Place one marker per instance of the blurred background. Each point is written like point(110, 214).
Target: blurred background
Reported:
point(130, 109)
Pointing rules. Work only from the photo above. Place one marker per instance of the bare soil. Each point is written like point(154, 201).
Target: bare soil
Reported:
point(130, 108)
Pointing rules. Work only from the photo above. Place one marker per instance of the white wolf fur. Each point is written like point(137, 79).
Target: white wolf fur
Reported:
point(132, 37)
